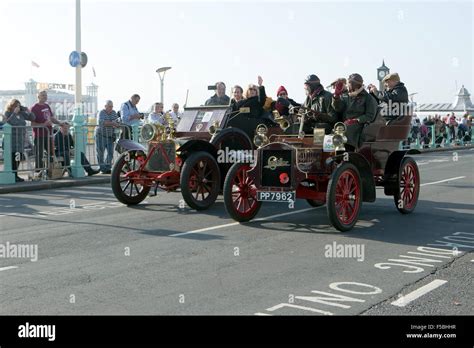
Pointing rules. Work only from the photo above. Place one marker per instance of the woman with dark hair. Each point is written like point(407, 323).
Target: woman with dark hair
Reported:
point(17, 115)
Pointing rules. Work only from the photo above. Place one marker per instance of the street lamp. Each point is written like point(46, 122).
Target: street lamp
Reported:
point(161, 73)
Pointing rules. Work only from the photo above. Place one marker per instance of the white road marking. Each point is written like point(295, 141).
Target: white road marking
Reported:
point(238, 223)
point(7, 268)
point(445, 180)
point(404, 300)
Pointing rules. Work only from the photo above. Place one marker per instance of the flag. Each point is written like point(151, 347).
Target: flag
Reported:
point(36, 65)
point(93, 71)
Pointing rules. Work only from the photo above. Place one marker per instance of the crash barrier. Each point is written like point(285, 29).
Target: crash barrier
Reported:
point(452, 138)
point(54, 155)
point(24, 153)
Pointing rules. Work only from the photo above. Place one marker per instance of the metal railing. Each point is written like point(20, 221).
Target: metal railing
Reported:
point(433, 139)
point(36, 153)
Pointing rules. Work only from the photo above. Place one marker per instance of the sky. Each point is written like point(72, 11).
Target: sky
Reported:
point(429, 43)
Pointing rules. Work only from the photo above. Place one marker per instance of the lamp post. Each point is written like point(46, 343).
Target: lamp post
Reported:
point(161, 73)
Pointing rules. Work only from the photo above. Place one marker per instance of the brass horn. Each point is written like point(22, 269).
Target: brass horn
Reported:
point(283, 122)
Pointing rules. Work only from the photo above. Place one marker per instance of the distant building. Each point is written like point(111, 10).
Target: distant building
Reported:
point(462, 104)
point(60, 98)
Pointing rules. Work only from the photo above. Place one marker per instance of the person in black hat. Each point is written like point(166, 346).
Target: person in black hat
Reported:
point(320, 102)
point(357, 106)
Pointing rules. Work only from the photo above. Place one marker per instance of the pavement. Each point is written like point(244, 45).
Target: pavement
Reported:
point(97, 256)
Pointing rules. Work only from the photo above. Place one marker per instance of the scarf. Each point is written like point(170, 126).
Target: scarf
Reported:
point(356, 92)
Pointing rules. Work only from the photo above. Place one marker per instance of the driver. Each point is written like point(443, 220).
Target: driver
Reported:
point(357, 106)
point(320, 102)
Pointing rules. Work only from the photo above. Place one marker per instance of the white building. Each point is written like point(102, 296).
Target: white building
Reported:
point(60, 98)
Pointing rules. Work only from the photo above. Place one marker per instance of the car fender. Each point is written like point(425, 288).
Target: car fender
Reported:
point(392, 169)
point(196, 145)
point(365, 171)
point(130, 145)
point(229, 132)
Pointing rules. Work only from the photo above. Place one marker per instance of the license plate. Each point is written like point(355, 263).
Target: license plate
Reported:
point(270, 196)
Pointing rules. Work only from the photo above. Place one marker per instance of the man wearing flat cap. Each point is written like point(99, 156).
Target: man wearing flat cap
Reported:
point(395, 95)
point(320, 102)
point(356, 105)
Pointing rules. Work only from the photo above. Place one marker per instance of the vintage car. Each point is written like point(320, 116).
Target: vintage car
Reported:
point(317, 167)
point(185, 157)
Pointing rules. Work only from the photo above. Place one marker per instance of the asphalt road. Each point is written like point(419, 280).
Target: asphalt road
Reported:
point(97, 256)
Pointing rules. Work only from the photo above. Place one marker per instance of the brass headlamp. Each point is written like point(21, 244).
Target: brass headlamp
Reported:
point(214, 128)
point(152, 132)
point(260, 139)
point(339, 136)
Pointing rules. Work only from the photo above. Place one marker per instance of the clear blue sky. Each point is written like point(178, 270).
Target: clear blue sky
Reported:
point(430, 44)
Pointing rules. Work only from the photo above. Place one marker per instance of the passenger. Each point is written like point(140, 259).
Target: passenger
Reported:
point(156, 116)
point(320, 102)
point(255, 98)
point(220, 98)
point(175, 114)
point(16, 115)
point(395, 95)
point(283, 103)
point(238, 95)
point(357, 106)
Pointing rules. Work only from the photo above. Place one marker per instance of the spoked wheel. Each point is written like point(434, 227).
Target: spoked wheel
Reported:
point(240, 194)
point(200, 180)
point(406, 194)
point(124, 188)
point(344, 197)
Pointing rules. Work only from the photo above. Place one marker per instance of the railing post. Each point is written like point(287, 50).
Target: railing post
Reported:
point(79, 147)
point(7, 176)
point(433, 137)
point(135, 132)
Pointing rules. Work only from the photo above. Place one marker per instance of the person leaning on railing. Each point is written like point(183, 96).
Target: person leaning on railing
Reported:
point(16, 115)
point(105, 136)
point(64, 144)
point(43, 129)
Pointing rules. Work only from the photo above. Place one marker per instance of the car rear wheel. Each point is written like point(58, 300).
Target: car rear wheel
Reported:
point(124, 188)
point(240, 194)
point(408, 189)
point(344, 197)
point(200, 180)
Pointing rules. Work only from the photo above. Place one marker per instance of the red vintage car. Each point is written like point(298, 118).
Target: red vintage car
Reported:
point(317, 167)
point(186, 157)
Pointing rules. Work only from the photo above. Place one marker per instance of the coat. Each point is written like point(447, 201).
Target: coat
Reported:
point(18, 123)
point(254, 103)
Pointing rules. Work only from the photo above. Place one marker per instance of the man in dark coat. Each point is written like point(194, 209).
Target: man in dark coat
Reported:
point(220, 98)
point(63, 144)
point(395, 95)
point(320, 102)
point(357, 106)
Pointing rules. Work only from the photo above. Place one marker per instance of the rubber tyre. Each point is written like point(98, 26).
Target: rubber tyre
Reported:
point(408, 179)
point(121, 193)
point(233, 178)
point(188, 173)
point(345, 181)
